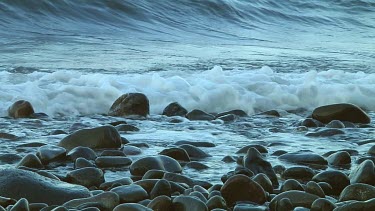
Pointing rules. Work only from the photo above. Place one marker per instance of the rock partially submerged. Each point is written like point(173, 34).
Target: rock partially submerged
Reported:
point(342, 111)
point(16, 184)
point(130, 104)
point(21, 109)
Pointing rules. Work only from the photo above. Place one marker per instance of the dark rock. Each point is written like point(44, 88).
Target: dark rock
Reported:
point(175, 109)
point(100, 137)
point(339, 159)
point(297, 199)
point(4, 202)
point(131, 207)
point(161, 203)
point(228, 118)
point(21, 109)
point(114, 124)
point(299, 173)
point(201, 190)
point(198, 195)
point(371, 151)
point(9, 158)
point(291, 184)
point(148, 185)
point(130, 104)
point(131, 150)
point(313, 188)
point(279, 169)
point(176, 153)
point(130, 193)
point(279, 152)
point(112, 153)
point(106, 200)
point(342, 112)
point(154, 174)
point(187, 203)
point(82, 152)
point(322, 205)
point(325, 133)
point(199, 115)
point(257, 164)
point(216, 202)
point(336, 179)
point(196, 143)
point(87, 177)
point(8, 136)
point(161, 162)
point(31, 161)
point(249, 207)
point(82, 163)
point(196, 165)
point(335, 124)
point(363, 173)
point(309, 122)
point(121, 181)
point(235, 112)
point(229, 159)
point(194, 152)
point(162, 187)
point(21, 205)
point(260, 148)
point(112, 161)
point(264, 181)
point(357, 205)
point(242, 188)
point(274, 113)
point(49, 153)
point(326, 187)
point(16, 184)
point(304, 158)
point(358, 192)
point(126, 128)
point(37, 206)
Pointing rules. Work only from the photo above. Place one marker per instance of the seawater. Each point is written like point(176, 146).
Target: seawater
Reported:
point(72, 59)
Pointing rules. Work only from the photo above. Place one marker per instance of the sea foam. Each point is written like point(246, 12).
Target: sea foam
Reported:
point(215, 90)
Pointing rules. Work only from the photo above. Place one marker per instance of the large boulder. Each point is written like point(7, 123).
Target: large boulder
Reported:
point(130, 104)
point(342, 112)
point(99, 137)
point(21, 109)
point(16, 184)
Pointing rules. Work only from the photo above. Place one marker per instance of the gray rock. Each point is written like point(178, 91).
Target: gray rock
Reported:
point(21, 205)
point(336, 179)
point(112, 161)
point(48, 153)
point(299, 173)
point(339, 158)
point(291, 184)
point(161, 162)
point(216, 202)
point(87, 177)
point(322, 205)
point(31, 161)
point(82, 163)
point(100, 137)
point(297, 199)
point(131, 150)
point(162, 187)
point(130, 104)
point(264, 181)
point(342, 112)
point(16, 184)
point(358, 192)
point(194, 152)
point(199, 115)
point(176, 153)
point(126, 128)
point(161, 203)
point(82, 152)
point(304, 158)
point(313, 188)
point(363, 173)
point(326, 132)
point(357, 205)
point(196, 143)
point(335, 124)
point(371, 151)
point(188, 203)
point(121, 181)
point(260, 148)
point(130, 193)
point(106, 200)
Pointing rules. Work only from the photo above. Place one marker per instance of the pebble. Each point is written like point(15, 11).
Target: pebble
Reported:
point(82, 163)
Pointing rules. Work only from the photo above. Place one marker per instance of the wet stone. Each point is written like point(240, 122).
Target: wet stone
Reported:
point(9, 158)
point(196, 143)
point(176, 153)
point(112, 153)
point(342, 112)
point(325, 133)
point(291, 184)
point(309, 122)
point(161, 162)
point(49, 153)
point(82, 163)
point(174, 109)
point(296, 198)
point(339, 159)
point(299, 173)
point(363, 173)
point(358, 192)
point(371, 151)
point(304, 158)
point(335, 124)
point(126, 128)
point(130, 193)
point(260, 148)
point(82, 152)
point(263, 181)
point(112, 161)
point(20, 109)
point(197, 165)
point(186, 203)
point(31, 161)
point(194, 152)
point(87, 177)
point(313, 188)
point(199, 115)
point(105, 200)
point(130, 104)
point(131, 207)
point(131, 150)
point(336, 179)
point(161, 203)
point(162, 187)
point(322, 205)
point(119, 182)
point(216, 202)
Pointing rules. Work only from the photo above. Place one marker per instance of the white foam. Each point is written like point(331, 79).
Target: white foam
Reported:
point(215, 90)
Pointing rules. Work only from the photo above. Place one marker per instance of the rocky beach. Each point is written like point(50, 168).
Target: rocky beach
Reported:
point(187, 160)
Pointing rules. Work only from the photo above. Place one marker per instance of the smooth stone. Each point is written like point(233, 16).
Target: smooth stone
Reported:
point(229, 159)
point(162, 187)
point(339, 159)
point(201, 190)
point(273, 113)
point(291, 184)
point(174, 109)
point(8, 136)
point(179, 179)
point(196, 165)
point(154, 174)
point(255, 162)
point(131, 150)
point(326, 133)
point(260, 148)
point(196, 143)
point(188, 203)
point(194, 152)
point(126, 128)
point(279, 152)
point(342, 112)
point(47, 174)
point(313, 188)
point(298, 173)
point(20, 109)
point(112, 161)
point(21, 205)
point(335, 124)
point(236, 112)
point(57, 132)
point(227, 118)
point(352, 152)
point(279, 169)
point(363, 173)
point(216, 202)
point(30, 161)
point(198, 195)
point(242, 188)
point(322, 204)
point(107, 200)
point(87, 177)
point(304, 158)
point(161, 203)
point(326, 187)
point(82, 152)
point(199, 115)
point(362, 159)
point(49, 153)
point(309, 122)
point(176, 153)
point(9, 158)
point(119, 182)
point(296, 197)
point(371, 151)
point(99, 137)
point(82, 163)
point(263, 181)
point(368, 205)
point(16, 184)
point(130, 104)
point(131, 207)
point(160, 162)
point(357, 192)
point(336, 179)
point(112, 153)
point(214, 193)
point(148, 185)
point(130, 193)
point(115, 123)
